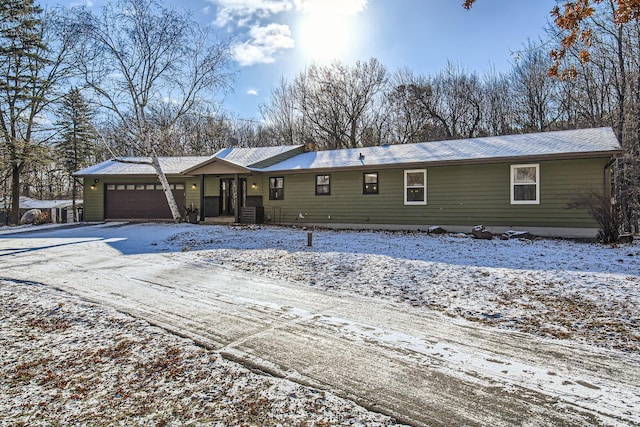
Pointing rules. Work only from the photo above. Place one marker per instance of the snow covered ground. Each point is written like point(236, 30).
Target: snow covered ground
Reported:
point(81, 362)
point(559, 288)
point(68, 362)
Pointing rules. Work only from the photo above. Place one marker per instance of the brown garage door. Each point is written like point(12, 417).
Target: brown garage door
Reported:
point(140, 201)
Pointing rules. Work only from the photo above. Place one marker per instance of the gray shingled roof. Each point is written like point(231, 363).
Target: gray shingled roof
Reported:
point(571, 142)
point(170, 166)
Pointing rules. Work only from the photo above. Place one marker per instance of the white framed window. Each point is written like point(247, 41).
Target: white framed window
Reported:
point(415, 187)
point(525, 184)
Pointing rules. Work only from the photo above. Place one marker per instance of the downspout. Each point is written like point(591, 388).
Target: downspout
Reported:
point(607, 177)
point(202, 213)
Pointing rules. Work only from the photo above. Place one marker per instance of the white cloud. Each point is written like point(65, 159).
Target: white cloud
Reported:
point(242, 11)
point(265, 38)
point(263, 44)
point(252, 92)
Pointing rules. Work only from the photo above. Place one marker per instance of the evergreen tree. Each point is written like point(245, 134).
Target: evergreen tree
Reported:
point(22, 61)
point(76, 143)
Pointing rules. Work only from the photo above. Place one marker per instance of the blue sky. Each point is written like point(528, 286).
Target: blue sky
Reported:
point(276, 38)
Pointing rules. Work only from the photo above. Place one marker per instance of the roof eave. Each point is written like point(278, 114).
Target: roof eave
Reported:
point(489, 160)
point(192, 170)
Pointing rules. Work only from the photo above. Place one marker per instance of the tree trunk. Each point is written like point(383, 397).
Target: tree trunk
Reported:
point(15, 194)
point(74, 195)
point(175, 211)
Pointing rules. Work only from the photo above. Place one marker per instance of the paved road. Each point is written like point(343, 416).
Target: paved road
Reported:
point(421, 367)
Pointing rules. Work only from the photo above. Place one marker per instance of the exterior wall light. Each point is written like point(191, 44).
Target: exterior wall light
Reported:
point(254, 185)
point(194, 186)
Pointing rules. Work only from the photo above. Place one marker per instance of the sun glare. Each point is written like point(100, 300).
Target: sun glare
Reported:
point(326, 34)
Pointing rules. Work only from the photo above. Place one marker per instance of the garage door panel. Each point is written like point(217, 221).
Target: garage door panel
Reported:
point(140, 201)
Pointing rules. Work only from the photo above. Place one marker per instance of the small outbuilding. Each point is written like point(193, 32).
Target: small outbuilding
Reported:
point(57, 211)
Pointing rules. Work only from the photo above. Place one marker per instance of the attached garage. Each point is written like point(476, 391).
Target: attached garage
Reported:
point(141, 201)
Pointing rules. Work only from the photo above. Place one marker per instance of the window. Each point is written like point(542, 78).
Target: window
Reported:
point(415, 187)
point(276, 188)
point(525, 184)
point(370, 183)
point(323, 185)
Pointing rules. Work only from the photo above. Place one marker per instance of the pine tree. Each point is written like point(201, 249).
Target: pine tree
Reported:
point(22, 61)
point(76, 143)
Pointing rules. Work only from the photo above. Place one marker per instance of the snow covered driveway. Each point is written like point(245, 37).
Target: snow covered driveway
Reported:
point(385, 321)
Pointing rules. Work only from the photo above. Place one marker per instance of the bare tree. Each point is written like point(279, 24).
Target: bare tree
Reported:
point(284, 115)
point(460, 96)
point(149, 66)
point(605, 90)
point(535, 93)
point(414, 118)
point(448, 105)
point(335, 99)
point(498, 108)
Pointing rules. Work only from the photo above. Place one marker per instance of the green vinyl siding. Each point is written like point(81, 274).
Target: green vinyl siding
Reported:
point(211, 186)
point(456, 195)
point(93, 200)
point(192, 194)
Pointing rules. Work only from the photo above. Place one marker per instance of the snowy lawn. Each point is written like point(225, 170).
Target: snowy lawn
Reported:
point(65, 361)
point(556, 288)
point(68, 362)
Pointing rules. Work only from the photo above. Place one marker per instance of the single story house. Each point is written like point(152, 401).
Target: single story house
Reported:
point(522, 182)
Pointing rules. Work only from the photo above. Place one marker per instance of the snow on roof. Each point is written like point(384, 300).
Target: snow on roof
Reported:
point(580, 141)
point(170, 165)
point(250, 156)
point(569, 142)
point(29, 203)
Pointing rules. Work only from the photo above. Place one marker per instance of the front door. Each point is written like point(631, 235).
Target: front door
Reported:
point(227, 195)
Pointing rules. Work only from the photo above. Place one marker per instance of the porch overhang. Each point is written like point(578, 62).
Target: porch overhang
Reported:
point(217, 166)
